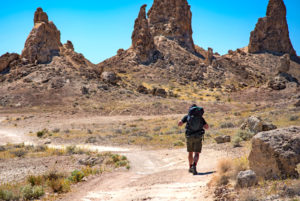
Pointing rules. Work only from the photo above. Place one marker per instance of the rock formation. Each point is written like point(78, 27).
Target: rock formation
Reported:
point(210, 56)
point(142, 40)
point(6, 60)
point(43, 41)
point(256, 125)
point(172, 18)
point(271, 33)
point(276, 153)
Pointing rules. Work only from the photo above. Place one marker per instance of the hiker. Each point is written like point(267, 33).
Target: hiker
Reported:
point(195, 125)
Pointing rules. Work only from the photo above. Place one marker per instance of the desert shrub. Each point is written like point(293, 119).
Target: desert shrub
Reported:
point(115, 157)
point(294, 118)
point(74, 150)
point(227, 125)
point(35, 180)
point(125, 158)
point(53, 175)
point(35, 192)
point(178, 143)
point(121, 163)
point(19, 152)
point(239, 164)
point(236, 141)
point(60, 185)
point(224, 166)
point(76, 176)
point(8, 195)
point(244, 135)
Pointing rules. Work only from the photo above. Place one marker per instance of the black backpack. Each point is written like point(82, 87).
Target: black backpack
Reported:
point(195, 120)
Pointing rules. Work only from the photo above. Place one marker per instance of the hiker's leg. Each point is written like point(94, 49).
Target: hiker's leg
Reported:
point(196, 158)
point(191, 159)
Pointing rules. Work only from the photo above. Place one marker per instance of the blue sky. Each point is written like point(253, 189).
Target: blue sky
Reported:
point(99, 28)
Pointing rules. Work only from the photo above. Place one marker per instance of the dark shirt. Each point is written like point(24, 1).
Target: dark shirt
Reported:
point(188, 131)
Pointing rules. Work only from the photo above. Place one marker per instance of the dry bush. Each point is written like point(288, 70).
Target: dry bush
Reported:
point(59, 185)
point(35, 180)
point(224, 172)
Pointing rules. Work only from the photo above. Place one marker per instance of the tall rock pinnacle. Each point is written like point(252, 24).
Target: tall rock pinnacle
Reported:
point(271, 33)
point(43, 41)
point(173, 19)
point(142, 40)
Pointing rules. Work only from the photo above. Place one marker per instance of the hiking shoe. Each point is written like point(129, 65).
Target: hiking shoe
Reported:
point(191, 170)
point(194, 170)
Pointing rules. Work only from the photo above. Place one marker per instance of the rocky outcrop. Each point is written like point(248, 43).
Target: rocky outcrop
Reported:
point(172, 19)
point(6, 60)
point(275, 154)
point(142, 40)
point(110, 77)
point(210, 56)
point(246, 179)
point(285, 63)
point(43, 41)
point(271, 33)
point(256, 125)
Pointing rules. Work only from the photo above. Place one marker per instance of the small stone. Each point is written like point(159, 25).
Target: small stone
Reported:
point(246, 179)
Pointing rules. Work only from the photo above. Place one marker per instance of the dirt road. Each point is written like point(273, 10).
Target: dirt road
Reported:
point(154, 175)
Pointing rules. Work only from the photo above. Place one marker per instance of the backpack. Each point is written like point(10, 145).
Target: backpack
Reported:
point(195, 120)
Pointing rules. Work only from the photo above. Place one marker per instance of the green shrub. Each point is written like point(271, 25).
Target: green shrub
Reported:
point(244, 135)
point(121, 163)
point(6, 195)
point(115, 157)
point(35, 192)
point(77, 176)
point(236, 141)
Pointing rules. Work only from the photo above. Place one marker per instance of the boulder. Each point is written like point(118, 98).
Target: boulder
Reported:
point(223, 139)
point(271, 33)
point(143, 90)
point(172, 19)
point(110, 77)
point(142, 40)
point(277, 83)
point(246, 179)
point(275, 154)
point(297, 104)
point(6, 60)
point(256, 125)
point(43, 42)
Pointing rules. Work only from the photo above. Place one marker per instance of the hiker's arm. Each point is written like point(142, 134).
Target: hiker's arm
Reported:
point(183, 120)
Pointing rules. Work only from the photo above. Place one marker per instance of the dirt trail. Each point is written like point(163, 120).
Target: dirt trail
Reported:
point(154, 175)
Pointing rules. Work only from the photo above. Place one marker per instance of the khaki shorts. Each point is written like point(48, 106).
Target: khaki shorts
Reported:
point(194, 144)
